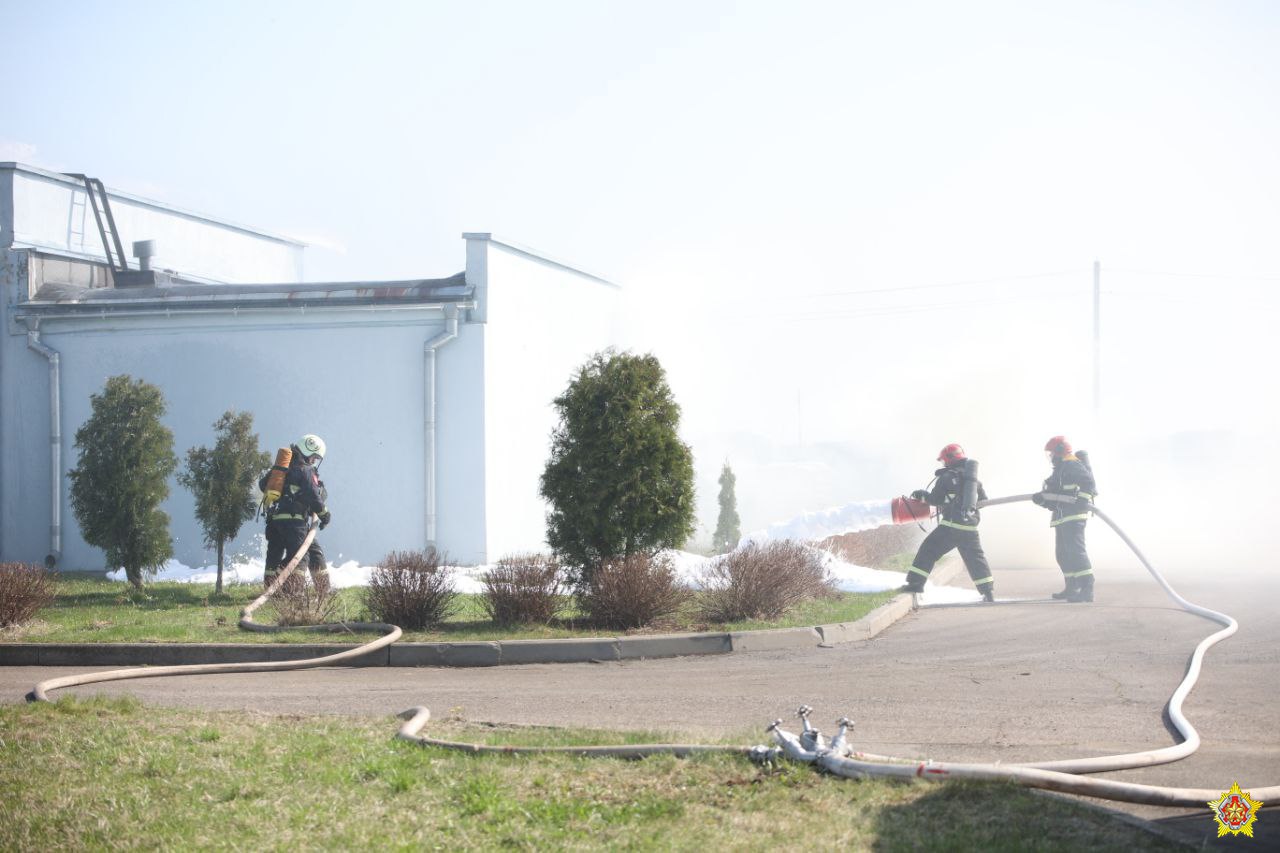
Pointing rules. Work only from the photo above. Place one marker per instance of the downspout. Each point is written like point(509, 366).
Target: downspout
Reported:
point(55, 441)
point(429, 351)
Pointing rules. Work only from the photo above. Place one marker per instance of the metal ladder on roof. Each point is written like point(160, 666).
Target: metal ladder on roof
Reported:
point(101, 205)
point(75, 220)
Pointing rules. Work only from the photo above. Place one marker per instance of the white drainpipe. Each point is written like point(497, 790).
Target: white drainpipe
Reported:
point(429, 350)
point(55, 443)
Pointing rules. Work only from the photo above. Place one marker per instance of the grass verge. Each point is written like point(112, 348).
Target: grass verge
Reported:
point(104, 773)
point(101, 611)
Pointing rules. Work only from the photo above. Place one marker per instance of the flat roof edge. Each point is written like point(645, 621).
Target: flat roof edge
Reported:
point(157, 205)
point(535, 255)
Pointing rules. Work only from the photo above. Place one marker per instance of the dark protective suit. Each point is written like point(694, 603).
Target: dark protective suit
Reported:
point(956, 529)
point(1072, 477)
point(289, 519)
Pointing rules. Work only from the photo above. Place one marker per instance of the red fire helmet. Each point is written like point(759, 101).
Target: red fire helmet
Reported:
point(1057, 447)
point(950, 454)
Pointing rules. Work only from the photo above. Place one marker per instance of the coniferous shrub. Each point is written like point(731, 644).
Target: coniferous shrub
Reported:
point(728, 525)
point(126, 457)
point(631, 591)
point(524, 589)
point(25, 590)
point(619, 480)
point(761, 581)
point(223, 479)
point(412, 589)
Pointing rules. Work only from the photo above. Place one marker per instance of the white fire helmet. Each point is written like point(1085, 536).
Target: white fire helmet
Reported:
point(311, 445)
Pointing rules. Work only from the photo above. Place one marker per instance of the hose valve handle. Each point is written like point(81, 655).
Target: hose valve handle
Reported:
point(803, 712)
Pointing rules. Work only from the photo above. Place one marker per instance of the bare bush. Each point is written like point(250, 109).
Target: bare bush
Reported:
point(523, 589)
point(631, 592)
point(25, 590)
point(300, 603)
point(762, 581)
point(412, 589)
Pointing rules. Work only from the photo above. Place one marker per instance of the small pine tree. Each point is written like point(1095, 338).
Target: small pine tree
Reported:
point(728, 525)
point(619, 479)
point(222, 480)
point(126, 457)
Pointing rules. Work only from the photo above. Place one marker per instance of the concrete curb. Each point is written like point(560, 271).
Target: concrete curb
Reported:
point(510, 652)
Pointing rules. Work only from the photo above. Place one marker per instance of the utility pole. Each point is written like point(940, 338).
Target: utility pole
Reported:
point(1097, 339)
point(800, 418)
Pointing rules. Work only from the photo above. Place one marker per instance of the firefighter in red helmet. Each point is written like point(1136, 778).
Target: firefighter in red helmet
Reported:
point(1072, 478)
point(955, 493)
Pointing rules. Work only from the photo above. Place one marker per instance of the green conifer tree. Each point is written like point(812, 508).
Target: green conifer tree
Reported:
point(126, 457)
point(619, 479)
point(728, 525)
point(223, 478)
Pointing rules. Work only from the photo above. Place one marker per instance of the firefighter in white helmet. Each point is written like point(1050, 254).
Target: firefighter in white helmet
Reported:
point(303, 500)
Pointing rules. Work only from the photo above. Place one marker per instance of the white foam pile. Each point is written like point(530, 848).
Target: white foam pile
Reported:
point(809, 527)
point(816, 526)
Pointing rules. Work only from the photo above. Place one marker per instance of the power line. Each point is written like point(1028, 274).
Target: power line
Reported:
point(1219, 276)
point(964, 283)
point(892, 310)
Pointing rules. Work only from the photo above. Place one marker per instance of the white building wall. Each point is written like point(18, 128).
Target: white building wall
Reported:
point(355, 377)
point(51, 211)
point(543, 320)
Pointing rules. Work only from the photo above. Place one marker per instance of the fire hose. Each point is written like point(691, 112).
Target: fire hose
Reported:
point(835, 755)
point(391, 633)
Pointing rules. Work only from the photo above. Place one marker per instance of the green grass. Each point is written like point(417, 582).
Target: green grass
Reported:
point(95, 610)
point(111, 774)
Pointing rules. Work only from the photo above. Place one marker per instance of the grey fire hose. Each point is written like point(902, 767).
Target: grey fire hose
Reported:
point(415, 718)
point(391, 633)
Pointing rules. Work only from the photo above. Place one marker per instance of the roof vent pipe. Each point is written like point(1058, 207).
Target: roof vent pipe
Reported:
point(144, 251)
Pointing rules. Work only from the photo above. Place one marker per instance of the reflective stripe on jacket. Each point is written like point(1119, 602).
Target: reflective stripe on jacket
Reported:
point(946, 496)
point(1070, 478)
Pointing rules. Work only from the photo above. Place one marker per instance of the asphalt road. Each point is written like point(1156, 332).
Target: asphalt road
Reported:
point(1016, 681)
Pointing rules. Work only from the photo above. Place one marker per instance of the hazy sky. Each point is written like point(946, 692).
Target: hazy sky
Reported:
point(852, 231)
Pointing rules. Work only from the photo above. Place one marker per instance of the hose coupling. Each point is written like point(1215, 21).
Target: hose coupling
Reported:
point(765, 756)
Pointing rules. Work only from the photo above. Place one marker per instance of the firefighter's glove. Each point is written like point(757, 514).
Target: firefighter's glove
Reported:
point(324, 519)
point(919, 495)
point(1038, 499)
point(1083, 502)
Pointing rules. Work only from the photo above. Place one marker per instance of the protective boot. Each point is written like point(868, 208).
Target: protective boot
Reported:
point(988, 591)
point(1072, 584)
point(1083, 591)
point(914, 584)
